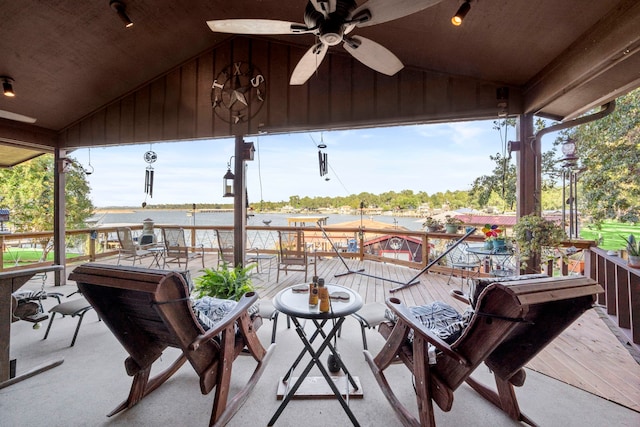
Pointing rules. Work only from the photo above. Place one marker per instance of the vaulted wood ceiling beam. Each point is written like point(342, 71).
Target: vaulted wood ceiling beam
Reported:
point(612, 40)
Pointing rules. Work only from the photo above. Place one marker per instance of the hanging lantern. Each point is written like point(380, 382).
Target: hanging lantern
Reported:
point(227, 181)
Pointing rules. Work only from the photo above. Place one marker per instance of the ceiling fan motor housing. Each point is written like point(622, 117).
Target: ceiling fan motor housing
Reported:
point(330, 29)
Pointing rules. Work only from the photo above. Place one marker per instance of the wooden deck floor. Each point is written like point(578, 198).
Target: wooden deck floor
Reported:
point(587, 355)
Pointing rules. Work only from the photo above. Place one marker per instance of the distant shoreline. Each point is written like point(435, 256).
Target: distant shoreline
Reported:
point(112, 210)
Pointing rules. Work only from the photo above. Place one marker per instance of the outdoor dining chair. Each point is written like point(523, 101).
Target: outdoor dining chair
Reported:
point(461, 259)
point(176, 249)
point(129, 249)
point(292, 253)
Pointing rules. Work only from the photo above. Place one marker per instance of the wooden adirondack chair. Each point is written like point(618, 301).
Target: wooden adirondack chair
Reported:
point(150, 310)
point(511, 323)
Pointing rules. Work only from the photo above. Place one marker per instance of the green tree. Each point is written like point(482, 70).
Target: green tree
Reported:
point(502, 182)
point(27, 191)
point(500, 185)
point(609, 150)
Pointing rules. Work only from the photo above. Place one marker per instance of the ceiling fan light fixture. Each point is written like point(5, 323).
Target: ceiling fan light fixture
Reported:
point(118, 6)
point(461, 13)
point(7, 86)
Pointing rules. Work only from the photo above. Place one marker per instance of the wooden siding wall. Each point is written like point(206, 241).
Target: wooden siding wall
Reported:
point(343, 94)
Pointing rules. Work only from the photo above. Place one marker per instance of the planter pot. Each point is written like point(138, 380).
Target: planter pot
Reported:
point(432, 229)
point(488, 244)
point(451, 229)
point(499, 245)
point(634, 261)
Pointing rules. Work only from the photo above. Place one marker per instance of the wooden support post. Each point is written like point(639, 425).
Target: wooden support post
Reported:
point(239, 205)
point(529, 177)
point(59, 208)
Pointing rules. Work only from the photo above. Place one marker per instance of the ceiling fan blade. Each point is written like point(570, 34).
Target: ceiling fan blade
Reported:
point(373, 55)
point(324, 6)
point(379, 11)
point(15, 116)
point(309, 63)
point(256, 26)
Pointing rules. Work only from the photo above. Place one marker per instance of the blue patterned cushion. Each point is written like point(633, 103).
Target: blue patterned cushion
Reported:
point(441, 318)
point(210, 310)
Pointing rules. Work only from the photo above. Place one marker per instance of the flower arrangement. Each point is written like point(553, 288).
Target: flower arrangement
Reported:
point(492, 232)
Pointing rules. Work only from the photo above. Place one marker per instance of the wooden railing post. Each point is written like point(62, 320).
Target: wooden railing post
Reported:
point(92, 245)
point(425, 250)
point(2, 255)
point(193, 239)
point(621, 285)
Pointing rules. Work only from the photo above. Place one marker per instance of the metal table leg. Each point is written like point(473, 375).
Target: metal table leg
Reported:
point(315, 359)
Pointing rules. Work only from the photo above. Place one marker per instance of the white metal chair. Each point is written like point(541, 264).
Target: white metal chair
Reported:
point(461, 259)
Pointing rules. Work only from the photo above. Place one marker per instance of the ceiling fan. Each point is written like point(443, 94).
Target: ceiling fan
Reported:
point(332, 21)
point(4, 114)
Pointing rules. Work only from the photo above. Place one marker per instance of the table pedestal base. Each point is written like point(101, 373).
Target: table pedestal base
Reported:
point(318, 388)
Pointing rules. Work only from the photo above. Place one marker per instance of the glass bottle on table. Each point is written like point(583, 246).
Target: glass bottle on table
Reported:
point(313, 292)
point(323, 295)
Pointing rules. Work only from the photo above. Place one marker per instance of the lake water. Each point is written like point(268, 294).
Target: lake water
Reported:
point(183, 217)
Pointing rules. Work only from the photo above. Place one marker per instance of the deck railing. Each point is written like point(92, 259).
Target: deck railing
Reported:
point(621, 284)
point(401, 247)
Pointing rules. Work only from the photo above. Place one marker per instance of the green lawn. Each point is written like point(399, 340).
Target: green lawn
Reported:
point(23, 256)
point(611, 234)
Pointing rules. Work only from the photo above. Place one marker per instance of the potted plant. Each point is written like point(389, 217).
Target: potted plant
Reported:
point(452, 224)
point(493, 237)
point(534, 234)
point(224, 282)
point(432, 225)
point(633, 251)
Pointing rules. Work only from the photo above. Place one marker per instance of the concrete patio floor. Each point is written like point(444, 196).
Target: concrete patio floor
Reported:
point(92, 381)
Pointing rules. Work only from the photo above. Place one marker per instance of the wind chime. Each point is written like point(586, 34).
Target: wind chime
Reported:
point(323, 160)
point(150, 157)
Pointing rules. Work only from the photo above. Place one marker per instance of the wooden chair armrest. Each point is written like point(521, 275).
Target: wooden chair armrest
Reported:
point(460, 296)
point(403, 313)
point(241, 308)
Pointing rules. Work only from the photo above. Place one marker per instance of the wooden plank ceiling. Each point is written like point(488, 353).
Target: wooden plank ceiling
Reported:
point(87, 80)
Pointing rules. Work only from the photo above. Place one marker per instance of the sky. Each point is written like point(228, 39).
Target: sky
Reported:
point(431, 158)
